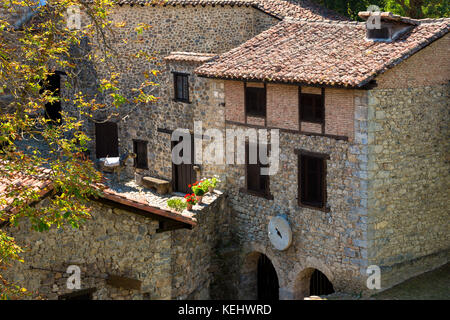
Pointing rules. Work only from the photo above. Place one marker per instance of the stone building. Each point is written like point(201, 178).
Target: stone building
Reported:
point(363, 138)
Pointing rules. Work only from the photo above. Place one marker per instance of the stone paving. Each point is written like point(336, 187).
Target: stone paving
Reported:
point(433, 285)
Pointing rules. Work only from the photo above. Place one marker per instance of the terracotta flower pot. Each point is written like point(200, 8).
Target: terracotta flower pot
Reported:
point(199, 199)
point(189, 206)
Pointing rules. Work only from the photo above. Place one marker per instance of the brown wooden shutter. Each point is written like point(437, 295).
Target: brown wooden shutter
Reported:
point(106, 140)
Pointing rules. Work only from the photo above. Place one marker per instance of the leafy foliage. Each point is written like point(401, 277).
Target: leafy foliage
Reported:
point(410, 8)
point(35, 41)
point(176, 204)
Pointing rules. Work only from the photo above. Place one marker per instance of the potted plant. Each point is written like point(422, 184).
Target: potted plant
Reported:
point(190, 201)
point(212, 183)
point(199, 190)
point(177, 204)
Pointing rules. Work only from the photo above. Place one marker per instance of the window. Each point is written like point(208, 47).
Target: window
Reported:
point(256, 182)
point(106, 140)
point(140, 149)
point(312, 107)
point(378, 34)
point(181, 87)
point(312, 179)
point(53, 109)
point(255, 101)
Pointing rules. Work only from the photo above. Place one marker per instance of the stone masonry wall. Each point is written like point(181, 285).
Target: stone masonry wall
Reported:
point(333, 242)
point(171, 265)
point(113, 242)
point(409, 166)
point(193, 29)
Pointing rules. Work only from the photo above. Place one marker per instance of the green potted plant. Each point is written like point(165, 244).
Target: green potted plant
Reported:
point(177, 204)
point(191, 200)
point(212, 183)
point(199, 190)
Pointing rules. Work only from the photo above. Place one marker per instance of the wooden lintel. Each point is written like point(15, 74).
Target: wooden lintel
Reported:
point(124, 282)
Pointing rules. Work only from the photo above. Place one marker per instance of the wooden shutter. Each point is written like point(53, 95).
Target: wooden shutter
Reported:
point(140, 148)
point(106, 140)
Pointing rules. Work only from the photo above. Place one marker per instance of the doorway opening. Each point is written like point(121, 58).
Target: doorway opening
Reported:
point(267, 280)
point(319, 285)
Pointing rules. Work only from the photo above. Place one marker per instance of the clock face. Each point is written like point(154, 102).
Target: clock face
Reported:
point(280, 234)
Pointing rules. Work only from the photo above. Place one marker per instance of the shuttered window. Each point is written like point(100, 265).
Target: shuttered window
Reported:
point(181, 87)
point(255, 101)
point(256, 182)
point(140, 149)
point(312, 108)
point(312, 180)
point(106, 140)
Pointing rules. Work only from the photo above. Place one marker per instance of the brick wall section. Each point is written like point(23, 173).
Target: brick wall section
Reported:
point(234, 101)
point(339, 112)
point(282, 106)
point(428, 67)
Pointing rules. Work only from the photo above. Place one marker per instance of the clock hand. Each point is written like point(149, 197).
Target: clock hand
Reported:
point(279, 233)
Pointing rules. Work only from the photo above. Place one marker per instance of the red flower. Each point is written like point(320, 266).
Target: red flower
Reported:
point(189, 186)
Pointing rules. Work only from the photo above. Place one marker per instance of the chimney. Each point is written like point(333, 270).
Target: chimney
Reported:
point(386, 26)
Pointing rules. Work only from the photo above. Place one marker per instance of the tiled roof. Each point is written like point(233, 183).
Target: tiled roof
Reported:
point(190, 57)
point(38, 183)
point(42, 184)
point(321, 53)
point(278, 8)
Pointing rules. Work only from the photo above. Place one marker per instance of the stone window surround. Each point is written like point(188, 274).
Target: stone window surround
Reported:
point(325, 157)
point(175, 99)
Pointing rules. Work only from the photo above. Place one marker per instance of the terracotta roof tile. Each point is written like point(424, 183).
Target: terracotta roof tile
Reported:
point(321, 53)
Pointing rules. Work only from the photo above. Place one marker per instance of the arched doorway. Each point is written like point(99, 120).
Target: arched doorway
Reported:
point(319, 284)
point(267, 279)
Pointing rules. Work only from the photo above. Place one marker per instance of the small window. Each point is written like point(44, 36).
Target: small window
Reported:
point(140, 149)
point(53, 109)
point(312, 180)
point(255, 101)
point(378, 34)
point(312, 108)
point(106, 140)
point(256, 182)
point(181, 87)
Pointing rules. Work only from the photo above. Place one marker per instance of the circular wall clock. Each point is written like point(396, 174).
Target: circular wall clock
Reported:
point(280, 233)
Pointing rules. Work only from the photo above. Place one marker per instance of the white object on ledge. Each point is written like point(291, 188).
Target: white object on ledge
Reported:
point(112, 162)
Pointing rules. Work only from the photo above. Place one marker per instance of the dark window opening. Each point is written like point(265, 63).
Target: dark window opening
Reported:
point(320, 285)
point(256, 182)
point(140, 149)
point(84, 294)
point(255, 101)
point(268, 287)
point(312, 108)
point(181, 87)
point(106, 140)
point(381, 34)
point(53, 109)
point(312, 181)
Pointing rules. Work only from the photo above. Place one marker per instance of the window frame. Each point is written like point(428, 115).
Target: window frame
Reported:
point(300, 162)
point(246, 102)
point(135, 147)
point(259, 193)
point(322, 106)
point(185, 90)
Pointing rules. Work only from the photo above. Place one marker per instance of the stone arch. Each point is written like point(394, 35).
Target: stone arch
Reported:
point(301, 275)
point(248, 271)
